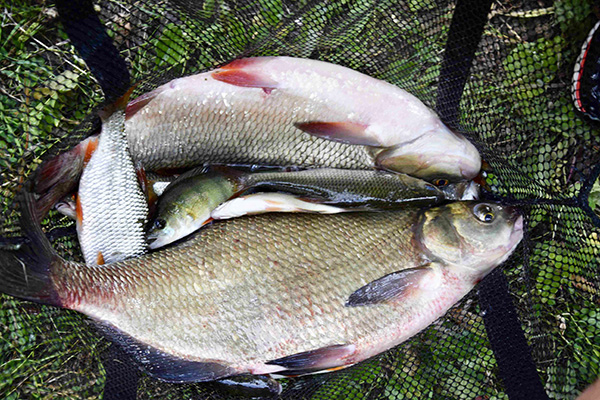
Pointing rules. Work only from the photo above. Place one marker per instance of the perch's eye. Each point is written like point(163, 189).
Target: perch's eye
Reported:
point(160, 223)
point(440, 182)
point(484, 213)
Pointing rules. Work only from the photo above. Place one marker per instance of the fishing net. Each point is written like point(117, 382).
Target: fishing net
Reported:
point(512, 98)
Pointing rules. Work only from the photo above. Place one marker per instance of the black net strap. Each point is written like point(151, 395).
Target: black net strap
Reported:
point(88, 36)
point(584, 194)
point(513, 355)
point(468, 21)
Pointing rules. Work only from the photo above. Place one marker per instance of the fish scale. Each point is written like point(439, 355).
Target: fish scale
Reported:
point(229, 290)
point(237, 133)
point(256, 289)
point(112, 208)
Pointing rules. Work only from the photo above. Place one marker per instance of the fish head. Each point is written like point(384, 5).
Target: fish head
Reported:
point(168, 226)
point(433, 156)
point(473, 237)
point(465, 190)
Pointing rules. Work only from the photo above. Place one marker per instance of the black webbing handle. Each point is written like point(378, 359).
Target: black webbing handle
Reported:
point(584, 194)
point(88, 36)
point(513, 355)
point(468, 21)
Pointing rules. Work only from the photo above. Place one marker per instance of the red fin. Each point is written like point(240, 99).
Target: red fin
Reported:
point(99, 259)
point(298, 372)
point(140, 102)
point(78, 210)
point(122, 101)
point(485, 166)
point(65, 165)
point(140, 172)
point(320, 359)
point(90, 148)
point(147, 189)
point(246, 62)
point(343, 132)
point(239, 77)
point(393, 286)
point(119, 104)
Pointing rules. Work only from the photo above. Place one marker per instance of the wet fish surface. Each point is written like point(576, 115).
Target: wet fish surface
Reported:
point(284, 111)
point(111, 210)
point(276, 293)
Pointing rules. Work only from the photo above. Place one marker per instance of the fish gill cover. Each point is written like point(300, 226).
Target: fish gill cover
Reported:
point(516, 107)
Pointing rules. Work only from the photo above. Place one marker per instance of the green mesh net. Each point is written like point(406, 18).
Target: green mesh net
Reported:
point(516, 107)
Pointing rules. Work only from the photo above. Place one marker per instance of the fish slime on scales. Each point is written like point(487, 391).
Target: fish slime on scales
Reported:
point(111, 208)
point(354, 115)
point(301, 304)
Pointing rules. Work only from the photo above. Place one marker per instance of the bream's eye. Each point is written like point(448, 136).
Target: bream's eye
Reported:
point(440, 182)
point(160, 223)
point(484, 213)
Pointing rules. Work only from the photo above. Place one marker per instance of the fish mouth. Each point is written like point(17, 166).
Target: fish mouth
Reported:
point(153, 242)
point(428, 157)
point(516, 235)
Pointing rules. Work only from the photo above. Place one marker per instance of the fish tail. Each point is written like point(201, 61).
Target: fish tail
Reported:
point(26, 269)
point(120, 104)
point(59, 176)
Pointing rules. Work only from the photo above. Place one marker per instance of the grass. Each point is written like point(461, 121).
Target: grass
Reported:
point(532, 139)
point(36, 364)
point(41, 78)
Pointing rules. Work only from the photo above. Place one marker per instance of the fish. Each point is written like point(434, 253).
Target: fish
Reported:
point(67, 206)
point(259, 203)
point(196, 199)
point(274, 294)
point(111, 209)
point(292, 112)
point(58, 177)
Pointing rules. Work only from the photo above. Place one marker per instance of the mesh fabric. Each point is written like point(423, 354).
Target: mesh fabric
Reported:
point(516, 108)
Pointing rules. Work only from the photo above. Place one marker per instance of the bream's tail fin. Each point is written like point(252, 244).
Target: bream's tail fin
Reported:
point(25, 270)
